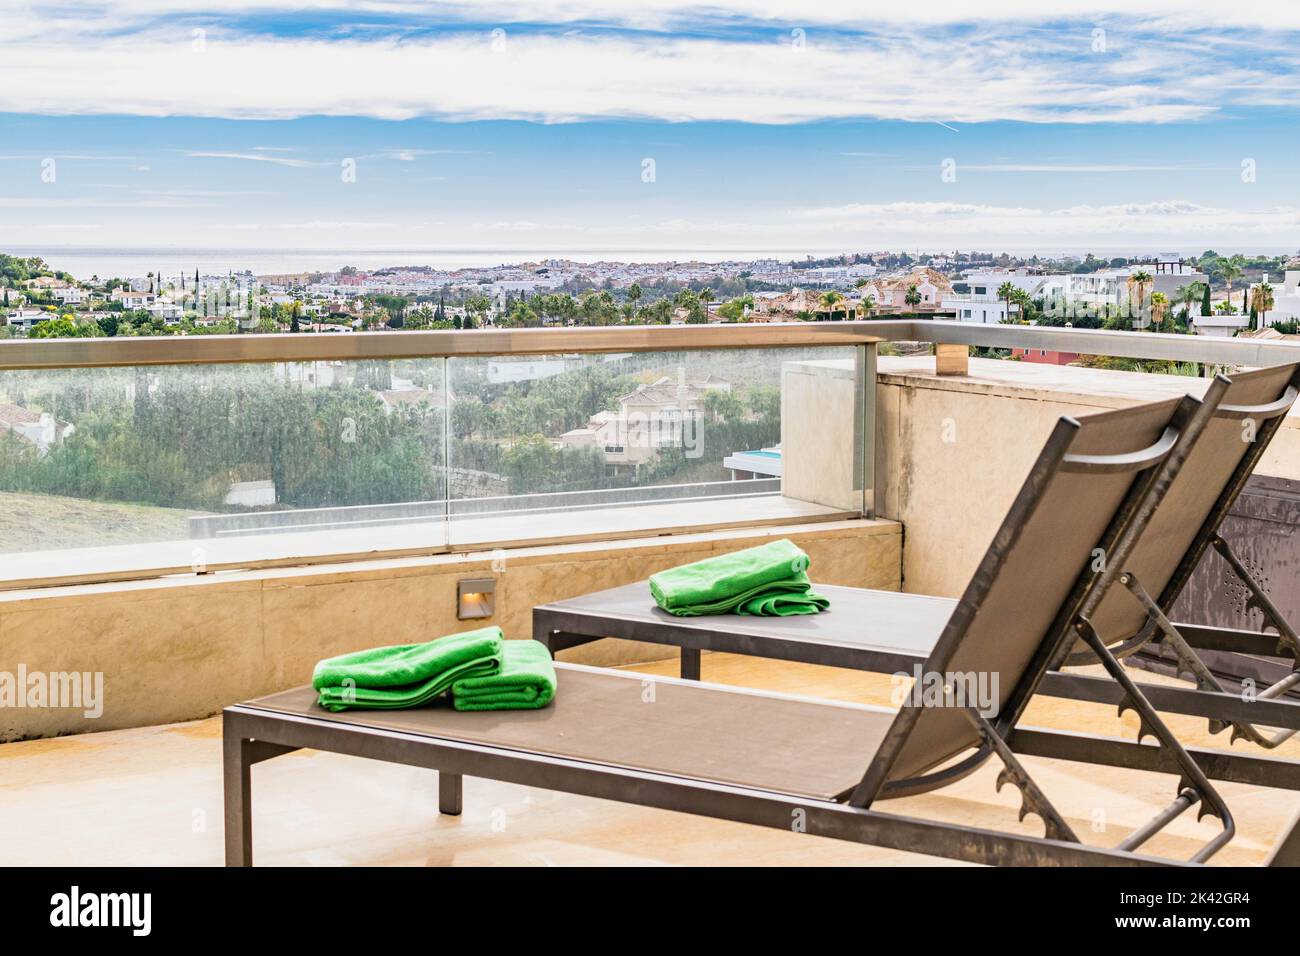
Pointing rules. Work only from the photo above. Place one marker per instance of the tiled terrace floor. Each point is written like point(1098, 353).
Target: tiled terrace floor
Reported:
point(153, 796)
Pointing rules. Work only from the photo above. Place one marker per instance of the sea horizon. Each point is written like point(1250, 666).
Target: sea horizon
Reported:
point(84, 262)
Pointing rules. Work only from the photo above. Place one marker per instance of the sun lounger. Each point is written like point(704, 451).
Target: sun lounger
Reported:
point(816, 766)
point(889, 632)
point(1182, 528)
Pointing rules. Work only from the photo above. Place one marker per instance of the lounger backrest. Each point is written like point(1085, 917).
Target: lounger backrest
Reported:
point(1020, 602)
point(1207, 485)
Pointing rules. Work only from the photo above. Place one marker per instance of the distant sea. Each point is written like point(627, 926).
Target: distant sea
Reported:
point(85, 262)
point(128, 263)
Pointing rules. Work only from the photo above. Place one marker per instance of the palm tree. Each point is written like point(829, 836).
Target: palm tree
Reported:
point(1188, 295)
point(1263, 301)
point(1159, 305)
point(1231, 269)
point(829, 302)
point(1023, 302)
point(634, 296)
point(1007, 293)
point(913, 297)
point(706, 296)
point(1141, 279)
point(866, 304)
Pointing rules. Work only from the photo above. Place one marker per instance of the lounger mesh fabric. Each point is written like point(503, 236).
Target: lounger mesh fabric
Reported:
point(1021, 584)
point(1174, 526)
point(749, 738)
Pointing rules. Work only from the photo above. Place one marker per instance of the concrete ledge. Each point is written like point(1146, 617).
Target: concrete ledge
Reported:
point(183, 647)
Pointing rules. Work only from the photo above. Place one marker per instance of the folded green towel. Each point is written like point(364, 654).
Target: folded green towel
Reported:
point(526, 681)
point(778, 602)
point(769, 580)
point(407, 675)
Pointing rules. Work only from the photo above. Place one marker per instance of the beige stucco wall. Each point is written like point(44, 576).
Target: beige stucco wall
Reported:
point(184, 647)
point(952, 451)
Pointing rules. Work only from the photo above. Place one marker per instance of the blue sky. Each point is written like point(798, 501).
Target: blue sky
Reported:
point(510, 126)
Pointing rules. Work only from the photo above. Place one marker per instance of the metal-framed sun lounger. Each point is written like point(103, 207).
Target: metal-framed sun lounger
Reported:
point(1181, 529)
point(817, 766)
point(891, 632)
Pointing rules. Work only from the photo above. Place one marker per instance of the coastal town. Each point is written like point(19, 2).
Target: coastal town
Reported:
point(1210, 294)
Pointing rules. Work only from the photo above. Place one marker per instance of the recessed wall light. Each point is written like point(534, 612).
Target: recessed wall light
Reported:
point(475, 598)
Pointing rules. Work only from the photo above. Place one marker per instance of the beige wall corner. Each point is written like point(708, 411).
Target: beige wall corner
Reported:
point(952, 451)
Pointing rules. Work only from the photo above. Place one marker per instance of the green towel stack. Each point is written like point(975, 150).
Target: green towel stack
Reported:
point(526, 681)
point(408, 675)
point(769, 580)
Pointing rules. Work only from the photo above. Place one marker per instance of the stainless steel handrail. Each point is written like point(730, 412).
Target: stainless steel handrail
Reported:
point(1207, 349)
point(357, 346)
point(360, 346)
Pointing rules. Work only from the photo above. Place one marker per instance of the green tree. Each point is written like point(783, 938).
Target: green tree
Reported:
point(1139, 281)
point(1007, 293)
point(1262, 301)
point(829, 302)
point(1188, 295)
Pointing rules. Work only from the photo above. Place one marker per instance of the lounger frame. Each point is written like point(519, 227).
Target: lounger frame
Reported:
point(1184, 639)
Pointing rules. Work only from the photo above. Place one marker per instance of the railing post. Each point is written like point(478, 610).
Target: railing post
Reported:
point(951, 359)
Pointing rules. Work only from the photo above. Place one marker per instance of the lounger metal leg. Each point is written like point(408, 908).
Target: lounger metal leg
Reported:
point(690, 663)
point(238, 800)
point(451, 792)
point(1193, 778)
point(1032, 799)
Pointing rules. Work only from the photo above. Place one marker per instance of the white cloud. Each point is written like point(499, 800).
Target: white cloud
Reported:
point(657, 14)
point(1074, 168)
point(995, 73)
point(253, 157)
point(1172, 221)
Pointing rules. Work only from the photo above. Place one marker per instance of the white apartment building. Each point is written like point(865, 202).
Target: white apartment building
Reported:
point(134, 300)
point(169, 312)
point(982, 304)
point(1105, 291)
point(25, 319)
point(68, 295)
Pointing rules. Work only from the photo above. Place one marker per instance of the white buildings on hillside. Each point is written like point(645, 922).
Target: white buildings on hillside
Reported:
point(1105, 292)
